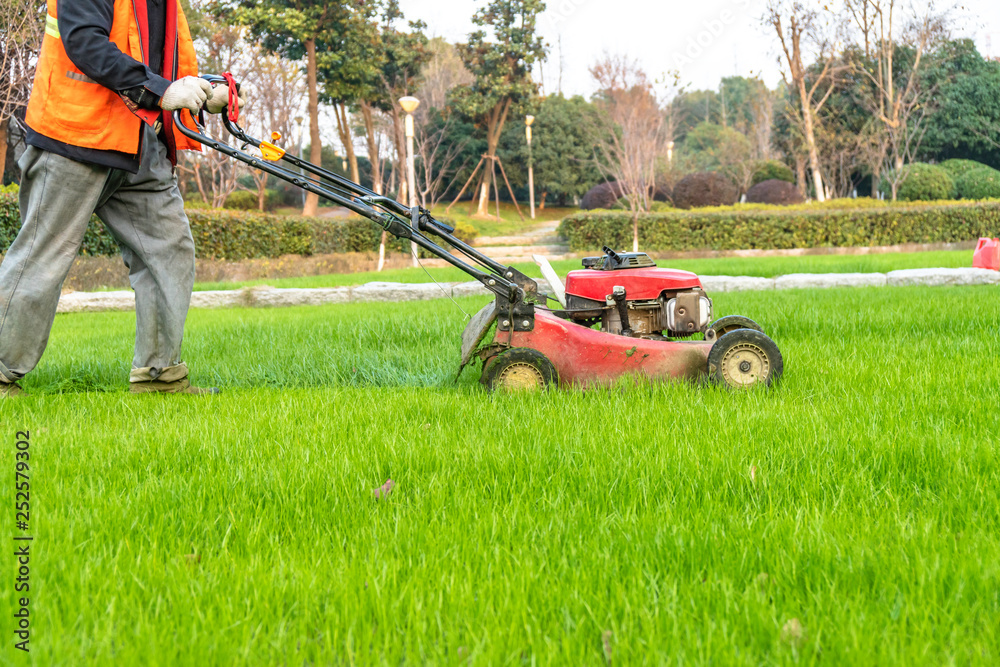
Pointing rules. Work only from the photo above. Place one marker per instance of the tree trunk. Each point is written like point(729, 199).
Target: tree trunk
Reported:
point(373, 157)
point(261, 195)
point(800, 175)
point(484, 196)
point(346, 138)
point(373, 153)
point(495, 123)
point(3, 147)
point(807, 118)
point(381, 252)
point(399, 143)
point(315, 147)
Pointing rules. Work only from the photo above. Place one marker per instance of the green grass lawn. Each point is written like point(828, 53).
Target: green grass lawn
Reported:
point(766, 267)
point(663, 523)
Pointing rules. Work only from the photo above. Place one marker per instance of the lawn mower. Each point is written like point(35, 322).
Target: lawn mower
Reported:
point(650, 321)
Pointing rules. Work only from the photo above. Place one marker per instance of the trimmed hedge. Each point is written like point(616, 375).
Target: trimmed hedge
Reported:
point(221, 234)
point(794, 227)
point(957, 168)
point(921, 182)
point(981, 183)
point(246, 200)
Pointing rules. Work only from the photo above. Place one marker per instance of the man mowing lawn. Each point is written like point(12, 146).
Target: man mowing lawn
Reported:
point(99, 142)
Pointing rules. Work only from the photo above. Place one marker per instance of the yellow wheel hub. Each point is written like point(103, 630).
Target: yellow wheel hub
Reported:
point(521, 377)
point(745, 365)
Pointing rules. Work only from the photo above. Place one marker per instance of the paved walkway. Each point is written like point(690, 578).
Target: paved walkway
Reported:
point(269, 297)
point(541, 239)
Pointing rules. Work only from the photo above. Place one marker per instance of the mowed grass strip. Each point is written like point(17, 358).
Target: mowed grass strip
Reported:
point(763, 267)
point(849, 516)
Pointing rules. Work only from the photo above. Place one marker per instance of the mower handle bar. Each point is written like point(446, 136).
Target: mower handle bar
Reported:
point(398, 220)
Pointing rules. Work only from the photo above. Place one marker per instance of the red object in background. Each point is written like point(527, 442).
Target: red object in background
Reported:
point(987, 255)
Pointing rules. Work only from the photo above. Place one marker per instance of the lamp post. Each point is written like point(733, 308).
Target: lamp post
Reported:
point(298, 121)
point(528, 120)
point(410, 105)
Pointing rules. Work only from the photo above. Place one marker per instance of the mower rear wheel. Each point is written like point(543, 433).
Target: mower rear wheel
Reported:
point(519, 369)
point(724, 325)
point(743, 359)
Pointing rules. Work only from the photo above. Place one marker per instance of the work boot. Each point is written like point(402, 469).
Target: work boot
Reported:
point(169, 380)
point(11, 389)
point(182, 386)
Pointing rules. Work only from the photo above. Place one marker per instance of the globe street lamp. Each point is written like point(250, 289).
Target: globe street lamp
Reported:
point(410, 105)
point(528, 120)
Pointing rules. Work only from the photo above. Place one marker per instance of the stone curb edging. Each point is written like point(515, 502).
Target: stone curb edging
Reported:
point(270, 297)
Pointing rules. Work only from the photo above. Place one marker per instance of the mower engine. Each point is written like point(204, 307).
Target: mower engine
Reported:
point(629, 296)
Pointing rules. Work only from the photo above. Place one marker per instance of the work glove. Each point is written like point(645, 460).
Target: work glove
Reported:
point(220, 98)
point(189, 93)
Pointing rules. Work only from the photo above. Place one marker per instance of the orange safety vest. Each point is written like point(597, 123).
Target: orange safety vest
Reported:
point(69, 107)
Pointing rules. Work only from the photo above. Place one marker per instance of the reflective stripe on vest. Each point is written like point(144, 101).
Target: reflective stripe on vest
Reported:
point(52, 27)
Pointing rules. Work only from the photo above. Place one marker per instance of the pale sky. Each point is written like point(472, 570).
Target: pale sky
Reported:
point(706, 40)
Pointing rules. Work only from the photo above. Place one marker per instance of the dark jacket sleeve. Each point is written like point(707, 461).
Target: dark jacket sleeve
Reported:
point(85, 26)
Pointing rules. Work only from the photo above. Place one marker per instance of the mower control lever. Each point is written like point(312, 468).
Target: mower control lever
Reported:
point(515, 291)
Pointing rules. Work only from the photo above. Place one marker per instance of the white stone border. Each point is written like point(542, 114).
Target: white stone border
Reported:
point(270, 297)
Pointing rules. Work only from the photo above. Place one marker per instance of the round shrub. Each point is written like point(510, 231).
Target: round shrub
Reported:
point(246, 200)
point(772, 170)
point(982, 183)
point(602, 195)
point(705, 189)
point(463, 230)
point(242, 200)
point(776, 192)
point(663, 193)
point(921, 182)
point(196, 203)
point(958, 168)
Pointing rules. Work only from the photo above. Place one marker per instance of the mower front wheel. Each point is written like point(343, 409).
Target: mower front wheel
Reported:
point(519, 369)
point(724, 325)
point(743, 359)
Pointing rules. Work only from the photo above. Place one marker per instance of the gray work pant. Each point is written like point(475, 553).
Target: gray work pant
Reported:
point(145, 214)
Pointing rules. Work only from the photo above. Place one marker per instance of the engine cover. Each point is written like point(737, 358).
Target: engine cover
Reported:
point(639, 284)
